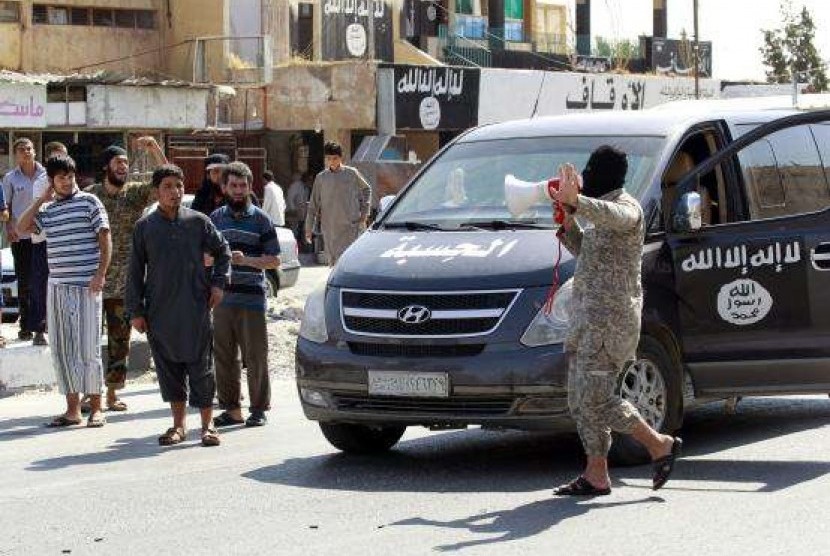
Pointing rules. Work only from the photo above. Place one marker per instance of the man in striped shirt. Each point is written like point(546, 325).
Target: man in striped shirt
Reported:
point(78, 250)
point(239, 321)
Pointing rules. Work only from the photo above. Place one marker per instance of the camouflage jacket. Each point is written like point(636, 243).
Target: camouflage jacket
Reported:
point(607, 291)
point(123, 209)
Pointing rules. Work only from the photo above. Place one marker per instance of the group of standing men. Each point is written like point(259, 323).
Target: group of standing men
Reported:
point(162, 272)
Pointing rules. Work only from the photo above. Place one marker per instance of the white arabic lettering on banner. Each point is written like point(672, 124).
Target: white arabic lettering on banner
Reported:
point(744, 302)
point(360, 8)
point(447, 252)
point(436, 82)
point(737, 257)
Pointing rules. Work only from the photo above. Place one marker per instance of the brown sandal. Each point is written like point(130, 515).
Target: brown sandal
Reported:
point(173, 435)
point(210, 437)
point(117, 405)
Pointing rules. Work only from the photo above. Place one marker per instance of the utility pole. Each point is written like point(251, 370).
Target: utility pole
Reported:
point(697, 55)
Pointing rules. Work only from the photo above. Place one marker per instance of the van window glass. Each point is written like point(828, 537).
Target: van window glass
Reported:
point(467, 182)
point(800, 168)
point(798, 184)
point(761, 174)
point(821, 133)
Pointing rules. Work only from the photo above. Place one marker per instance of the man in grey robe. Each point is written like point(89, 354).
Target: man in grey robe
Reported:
point(340, 201)
point(170, 296)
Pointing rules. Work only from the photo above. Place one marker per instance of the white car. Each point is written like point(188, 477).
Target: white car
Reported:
point(8, 283)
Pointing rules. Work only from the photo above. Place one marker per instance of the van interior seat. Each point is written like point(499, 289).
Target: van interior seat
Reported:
point(682, 164)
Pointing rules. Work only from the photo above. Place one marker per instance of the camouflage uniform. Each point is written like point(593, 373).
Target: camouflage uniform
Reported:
point(607, 304)
point(124, 210)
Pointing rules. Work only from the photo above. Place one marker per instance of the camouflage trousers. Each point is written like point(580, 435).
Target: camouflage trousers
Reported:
point(594, 401)
point(118, 343)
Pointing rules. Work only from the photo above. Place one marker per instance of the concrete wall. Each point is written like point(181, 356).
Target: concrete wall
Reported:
point(190, 19)
point(60, 48)
point(138, 107)
point(557, 93)
point(326, 96)
point(10, 35)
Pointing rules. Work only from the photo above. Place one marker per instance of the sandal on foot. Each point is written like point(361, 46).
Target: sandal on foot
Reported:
point(581, 487)
point(664, 466)
point(173, 435)
point(210, 437)
point(63, 421)
point(225, 419)
point(117, 405)
point(96, 420)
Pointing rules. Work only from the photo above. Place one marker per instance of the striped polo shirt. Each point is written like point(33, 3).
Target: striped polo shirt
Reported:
point(71, 226)
point(252, 233)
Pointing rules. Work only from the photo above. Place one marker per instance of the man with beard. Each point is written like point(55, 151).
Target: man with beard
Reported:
point(170, 296)
point(124, 202)
point(239, 322)
point(605, 327)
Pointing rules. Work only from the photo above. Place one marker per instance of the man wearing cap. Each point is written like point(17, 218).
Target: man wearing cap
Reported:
point(211, 195)
point(124, 202)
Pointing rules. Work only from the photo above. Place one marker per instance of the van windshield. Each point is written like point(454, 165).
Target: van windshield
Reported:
point(465, 186)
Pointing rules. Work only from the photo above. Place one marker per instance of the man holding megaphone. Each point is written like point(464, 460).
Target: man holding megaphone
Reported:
point(607, 304)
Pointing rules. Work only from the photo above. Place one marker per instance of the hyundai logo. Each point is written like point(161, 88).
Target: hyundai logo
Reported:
point(414, 314)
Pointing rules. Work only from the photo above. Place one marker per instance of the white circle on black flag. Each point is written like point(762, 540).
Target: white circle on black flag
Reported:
point(430, 112)
point(356, 39)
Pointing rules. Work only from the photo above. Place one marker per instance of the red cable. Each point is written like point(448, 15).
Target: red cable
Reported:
point(555, 283)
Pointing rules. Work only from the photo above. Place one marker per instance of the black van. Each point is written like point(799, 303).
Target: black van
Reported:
point(434, 316)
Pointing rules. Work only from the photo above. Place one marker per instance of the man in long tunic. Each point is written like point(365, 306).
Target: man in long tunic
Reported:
point(607, 305)
point(170, 297)
point(340, 200)
point(125, 202)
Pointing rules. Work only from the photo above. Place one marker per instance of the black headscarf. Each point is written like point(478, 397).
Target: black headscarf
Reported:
point(111, 152)
point(604, 172)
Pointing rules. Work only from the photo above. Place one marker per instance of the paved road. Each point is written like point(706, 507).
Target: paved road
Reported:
point(752, 483)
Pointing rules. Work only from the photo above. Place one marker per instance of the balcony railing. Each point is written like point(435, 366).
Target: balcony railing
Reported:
point(512, 46)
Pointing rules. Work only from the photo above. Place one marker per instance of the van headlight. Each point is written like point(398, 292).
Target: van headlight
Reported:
point(551, 328)
point(313, 325)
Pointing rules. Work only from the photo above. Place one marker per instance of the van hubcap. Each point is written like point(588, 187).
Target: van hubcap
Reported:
point(643, 386)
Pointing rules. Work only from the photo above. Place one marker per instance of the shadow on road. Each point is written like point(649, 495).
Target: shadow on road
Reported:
point(483, 461)
point(520, 522)
point(122, 449)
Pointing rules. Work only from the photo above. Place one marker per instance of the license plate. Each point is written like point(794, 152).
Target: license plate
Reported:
point(391, 383)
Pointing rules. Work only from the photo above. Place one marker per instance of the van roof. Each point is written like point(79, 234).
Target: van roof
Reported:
point(661, 121)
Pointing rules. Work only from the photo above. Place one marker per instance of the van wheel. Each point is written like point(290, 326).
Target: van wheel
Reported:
point(653, 385)
point(361, 439)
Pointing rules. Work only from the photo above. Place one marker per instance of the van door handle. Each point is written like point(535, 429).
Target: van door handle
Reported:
point(820, 256)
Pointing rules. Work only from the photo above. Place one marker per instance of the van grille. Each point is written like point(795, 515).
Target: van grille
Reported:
point(437, 314)
point(408, 350)
point(445, 406)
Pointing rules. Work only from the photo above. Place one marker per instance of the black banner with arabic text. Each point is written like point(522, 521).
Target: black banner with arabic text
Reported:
point(436, 97)
point(350, 27)
point(674, 57)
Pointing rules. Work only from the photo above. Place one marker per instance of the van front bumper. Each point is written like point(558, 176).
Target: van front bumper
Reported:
point(504, 386)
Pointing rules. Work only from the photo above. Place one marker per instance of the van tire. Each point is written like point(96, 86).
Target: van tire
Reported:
point(625, 451)
point(361, 439)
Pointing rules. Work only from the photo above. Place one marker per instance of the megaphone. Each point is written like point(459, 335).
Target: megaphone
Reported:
point(521, 195)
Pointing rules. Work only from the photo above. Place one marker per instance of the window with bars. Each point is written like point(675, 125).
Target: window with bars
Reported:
point(46, 14)
point(9, 12)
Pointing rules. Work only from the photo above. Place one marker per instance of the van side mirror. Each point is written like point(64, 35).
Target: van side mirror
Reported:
point(385, 201)
point(687, 215)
